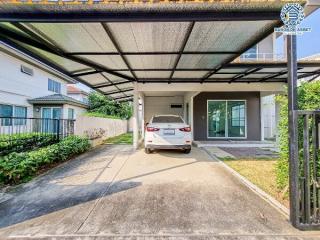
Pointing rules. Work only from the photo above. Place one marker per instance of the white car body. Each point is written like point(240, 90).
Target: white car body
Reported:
point(167, 132)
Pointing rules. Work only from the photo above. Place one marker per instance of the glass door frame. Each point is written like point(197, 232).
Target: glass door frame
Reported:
point(226, 118)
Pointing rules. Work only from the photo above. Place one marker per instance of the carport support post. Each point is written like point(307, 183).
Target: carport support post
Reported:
point(293, 129)
point(135, 117)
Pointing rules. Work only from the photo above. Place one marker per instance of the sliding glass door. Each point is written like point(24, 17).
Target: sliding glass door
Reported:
point(226, 119)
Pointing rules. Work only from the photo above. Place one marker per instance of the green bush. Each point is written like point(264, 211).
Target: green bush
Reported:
point(308, 99)
point(21, 167)
point(101, 115)
point(99, 103)
point(25, 141)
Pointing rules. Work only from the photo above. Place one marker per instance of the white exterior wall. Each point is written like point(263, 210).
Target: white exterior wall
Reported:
point(78, 111)
point(266, 48)
point(162, 105)
point(78, 96)
point(111, 127)
point(17, 87)
point(269, 116)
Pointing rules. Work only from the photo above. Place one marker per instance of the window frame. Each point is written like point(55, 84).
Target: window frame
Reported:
point(14, 121)
point(73, 113)
point(56, 85)
point(24, 121)
point(227, 118)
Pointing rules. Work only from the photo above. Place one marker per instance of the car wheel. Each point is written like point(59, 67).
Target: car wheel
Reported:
point(186, 151)
point(147, 150)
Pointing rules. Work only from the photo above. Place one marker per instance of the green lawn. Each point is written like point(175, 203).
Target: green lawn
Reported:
point(261, 172)
point(125, 138)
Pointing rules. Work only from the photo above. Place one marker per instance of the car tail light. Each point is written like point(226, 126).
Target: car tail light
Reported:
point(185, 129)
point(152, 129)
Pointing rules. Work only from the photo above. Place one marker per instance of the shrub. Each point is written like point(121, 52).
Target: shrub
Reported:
point(101, 104)
point(308, 99)
point(101, 115)
point(25, 141)
point(20, 167)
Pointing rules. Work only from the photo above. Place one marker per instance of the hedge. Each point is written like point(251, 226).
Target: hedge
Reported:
point(308, 99)
point(101, 115)
point(25, 141)
point(21, 167)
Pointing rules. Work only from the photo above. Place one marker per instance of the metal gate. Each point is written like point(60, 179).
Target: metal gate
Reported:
point(307, 148)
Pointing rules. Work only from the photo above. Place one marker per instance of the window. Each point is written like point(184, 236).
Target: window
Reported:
point(70, 113)
point(54, 86)
point(167, 119)
point(20, 112)
point(26, 70)
point(85, 100)
point(226, 119)
point(6, 112)
point(252, 53)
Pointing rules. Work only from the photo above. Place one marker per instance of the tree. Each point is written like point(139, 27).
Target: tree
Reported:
point(99, 103)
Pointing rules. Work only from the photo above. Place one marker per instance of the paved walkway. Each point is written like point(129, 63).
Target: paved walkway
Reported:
point(116, 192)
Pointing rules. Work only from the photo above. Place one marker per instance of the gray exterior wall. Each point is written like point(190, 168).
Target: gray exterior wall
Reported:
point(253, 113)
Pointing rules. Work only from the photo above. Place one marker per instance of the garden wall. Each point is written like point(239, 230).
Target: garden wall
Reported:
point(98, 129)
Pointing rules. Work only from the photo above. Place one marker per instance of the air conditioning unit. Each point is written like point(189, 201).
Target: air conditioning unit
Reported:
point(26, 70)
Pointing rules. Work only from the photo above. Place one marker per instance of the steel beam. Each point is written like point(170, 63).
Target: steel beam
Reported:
point(117, 98)
point(293, 130)
point(154, 53)
point(144, 13)
point(85, 73)
point(241, 75)
point(6, 34)
point(243, 50)
point(182, 47)
point(120, 91)
point(110, 84)
point(117, 46)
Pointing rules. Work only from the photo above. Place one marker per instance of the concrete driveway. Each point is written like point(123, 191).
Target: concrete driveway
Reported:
point(114, 191)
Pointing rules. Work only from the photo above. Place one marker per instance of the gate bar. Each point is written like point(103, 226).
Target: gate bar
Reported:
point(293, 129)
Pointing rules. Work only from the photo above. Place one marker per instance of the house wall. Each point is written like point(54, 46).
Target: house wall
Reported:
point(98, 129)
point(18, 87)
point(79, 96)
point(266, 48)
point(78, 111)
point(253, 113)
point(161, 105)
point(38, 114)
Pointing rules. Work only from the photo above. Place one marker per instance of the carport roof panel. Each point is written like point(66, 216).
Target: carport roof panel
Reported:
point(132, 42)
point(113, 11)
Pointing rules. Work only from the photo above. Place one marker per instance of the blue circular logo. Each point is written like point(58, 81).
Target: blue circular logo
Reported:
point(292, 14)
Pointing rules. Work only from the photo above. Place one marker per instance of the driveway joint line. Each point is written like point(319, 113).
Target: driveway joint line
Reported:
point(104, 192)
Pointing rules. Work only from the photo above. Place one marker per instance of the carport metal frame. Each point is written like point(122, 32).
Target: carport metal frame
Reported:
point(170, 16)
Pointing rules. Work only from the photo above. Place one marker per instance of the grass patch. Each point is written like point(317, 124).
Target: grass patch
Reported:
point(126, 138)
point(261, 172)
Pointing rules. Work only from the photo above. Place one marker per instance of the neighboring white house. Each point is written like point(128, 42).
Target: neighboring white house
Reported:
point(29, 88)
point(77, 93)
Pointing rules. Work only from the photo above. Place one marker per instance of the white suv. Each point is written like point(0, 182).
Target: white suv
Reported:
point(167, 132)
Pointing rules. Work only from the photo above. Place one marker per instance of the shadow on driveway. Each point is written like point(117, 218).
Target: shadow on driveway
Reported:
point(75, 182)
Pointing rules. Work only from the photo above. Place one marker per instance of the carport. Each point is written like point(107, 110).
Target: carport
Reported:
point(132, 51)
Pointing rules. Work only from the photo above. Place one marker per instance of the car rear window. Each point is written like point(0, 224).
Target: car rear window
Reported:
point(167, 119)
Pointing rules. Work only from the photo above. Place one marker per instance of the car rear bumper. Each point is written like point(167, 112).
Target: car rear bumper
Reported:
point(154, 146)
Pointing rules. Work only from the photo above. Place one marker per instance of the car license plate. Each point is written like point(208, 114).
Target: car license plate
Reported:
point(168, 131)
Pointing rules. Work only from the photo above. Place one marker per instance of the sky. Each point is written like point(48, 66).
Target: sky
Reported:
point(308, 43)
